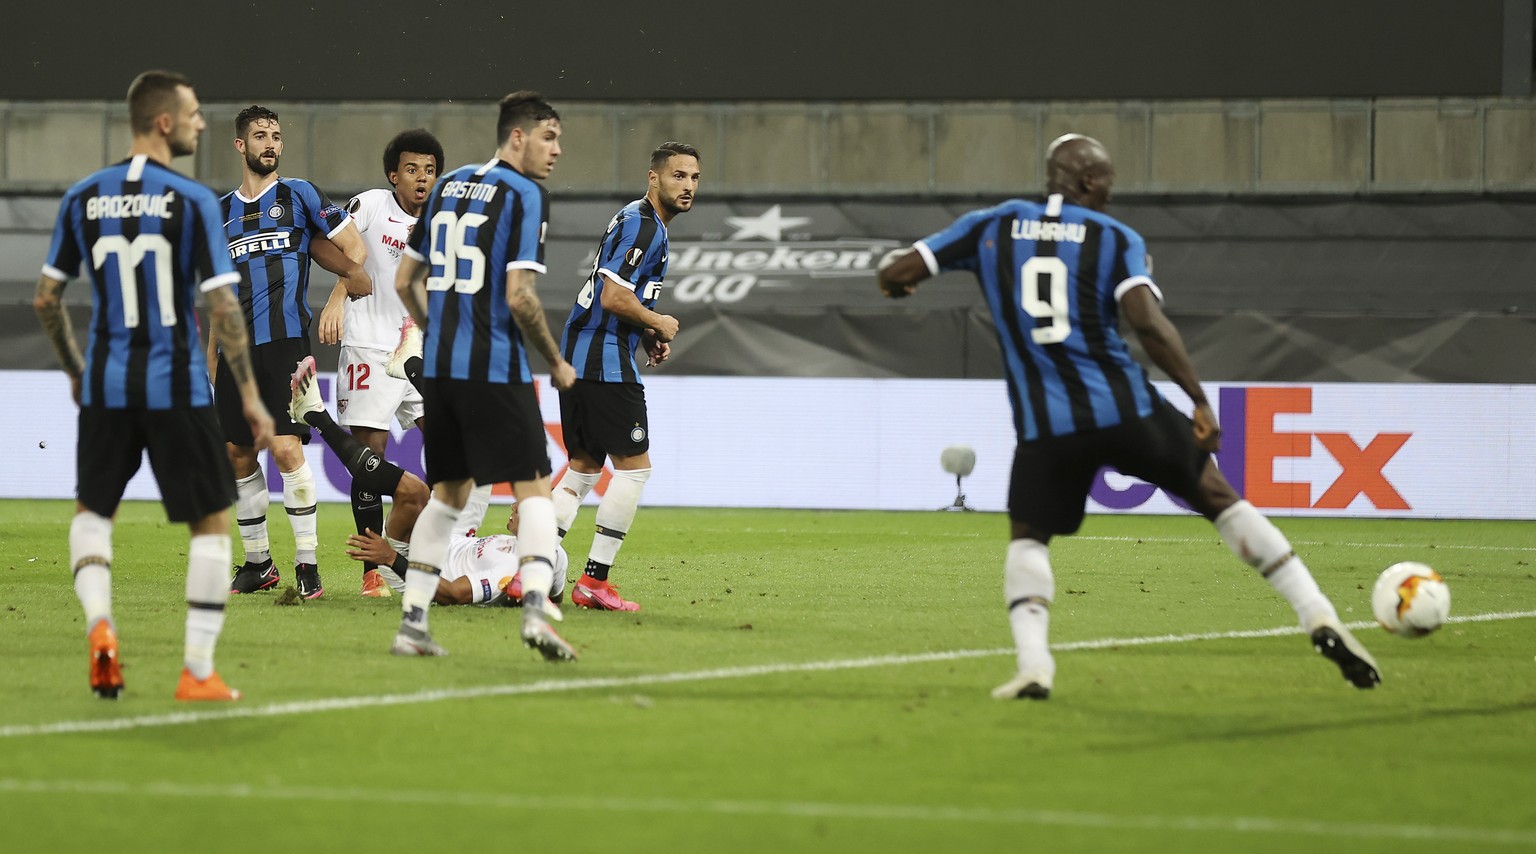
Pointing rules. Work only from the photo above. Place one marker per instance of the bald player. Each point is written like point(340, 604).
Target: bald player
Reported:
point(1059, 275)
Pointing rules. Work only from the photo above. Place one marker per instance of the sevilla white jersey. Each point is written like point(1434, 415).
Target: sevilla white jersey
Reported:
point(374, 321)
point(493, 557)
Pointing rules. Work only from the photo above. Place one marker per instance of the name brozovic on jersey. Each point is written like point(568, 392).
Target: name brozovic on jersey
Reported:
point(478, 223)
point(269, 242)
point(1053, 274)
point(633, 254)
point(151, 239)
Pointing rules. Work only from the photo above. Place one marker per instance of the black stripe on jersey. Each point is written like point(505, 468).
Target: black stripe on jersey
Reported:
point(1120, 274)
point(595, 345)
point(90, 231)
point(1093, 323)
point(644, 237)
point(189, 218)
point(579, 321)
point(135, 382)
point(1066, 369)
point(1010, 306)
point(963, 246)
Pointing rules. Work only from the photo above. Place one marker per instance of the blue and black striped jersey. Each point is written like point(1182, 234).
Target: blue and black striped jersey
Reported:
point(151, 238)
point(479, 222)
point(1053, 274)
point(632, 254)
point(269, 242)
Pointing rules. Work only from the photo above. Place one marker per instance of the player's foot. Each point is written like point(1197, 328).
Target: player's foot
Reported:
point(600, 595)
point(307, 577)
point(254, 576)
point(413, 641)
point(212, 688)
point(374, 585)
point(106, 671)
point(304, 391)
point(395, 582)
point(1034, 685)
point(540, 635)
point(1335, 643)
point(408, 348)
point(514, 590)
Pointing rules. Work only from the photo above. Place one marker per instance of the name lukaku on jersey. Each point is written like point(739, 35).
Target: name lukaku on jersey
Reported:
point(1056, 232)
point(131, 206)
point(262, 242)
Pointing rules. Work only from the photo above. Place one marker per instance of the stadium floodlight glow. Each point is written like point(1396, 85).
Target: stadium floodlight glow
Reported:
point(958, 460)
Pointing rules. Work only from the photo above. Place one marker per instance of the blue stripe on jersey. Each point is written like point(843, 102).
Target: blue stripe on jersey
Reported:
point(600, 344)
point(1067, 366)
point(269, 241)
point(129, 221)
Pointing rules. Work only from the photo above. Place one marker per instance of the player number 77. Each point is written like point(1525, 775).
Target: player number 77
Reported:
point(1046, 276)
point(126, 255)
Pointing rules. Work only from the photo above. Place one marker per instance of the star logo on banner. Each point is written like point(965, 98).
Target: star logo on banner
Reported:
point(770, 225)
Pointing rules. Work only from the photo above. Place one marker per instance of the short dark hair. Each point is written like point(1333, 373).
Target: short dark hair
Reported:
point(418, 140)
point(149, 95)
point(253, 113)
point(664, 152)
point(523, 108)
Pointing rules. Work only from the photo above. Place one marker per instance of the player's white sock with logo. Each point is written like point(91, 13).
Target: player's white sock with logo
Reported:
point(299, 501)
point(473, 514)
point(568, 495)
point(1262, 546)
point(90, 554)
point(207, 593)
point(536, 542)
point(429, 550)
point(251, 502)
point(1028, 590)
point(615, 515)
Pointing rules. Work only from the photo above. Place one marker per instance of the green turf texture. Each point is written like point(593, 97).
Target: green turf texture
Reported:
point(1252, 744)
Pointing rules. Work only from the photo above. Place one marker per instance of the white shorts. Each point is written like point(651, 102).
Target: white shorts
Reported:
point(368, 397)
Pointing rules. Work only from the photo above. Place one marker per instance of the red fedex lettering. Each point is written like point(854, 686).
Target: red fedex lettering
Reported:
point(1363, 468)
point(1362, 473)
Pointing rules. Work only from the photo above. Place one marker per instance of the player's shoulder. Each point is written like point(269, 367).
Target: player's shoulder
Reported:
point(369, 201)
point(1109, 222)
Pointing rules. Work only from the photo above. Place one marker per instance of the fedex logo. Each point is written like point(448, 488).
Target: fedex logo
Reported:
point(1251, 444)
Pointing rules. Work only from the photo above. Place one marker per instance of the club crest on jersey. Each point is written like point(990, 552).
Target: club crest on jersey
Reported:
point(637, 434)
point(634, 256)
point(275, 212)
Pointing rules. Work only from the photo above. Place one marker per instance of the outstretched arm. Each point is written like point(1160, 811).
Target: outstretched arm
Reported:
point(49, 305)
point(1165, 347)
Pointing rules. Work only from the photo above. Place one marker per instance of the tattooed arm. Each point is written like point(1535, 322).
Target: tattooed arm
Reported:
point(526, 309)
point(49, 305)
point(227, 324)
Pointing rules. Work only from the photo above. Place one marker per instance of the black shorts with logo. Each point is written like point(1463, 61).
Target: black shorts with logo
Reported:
point(605, 419)
point(185, 453)
point(1052, 477)
point(488, 432)
point(273, 364)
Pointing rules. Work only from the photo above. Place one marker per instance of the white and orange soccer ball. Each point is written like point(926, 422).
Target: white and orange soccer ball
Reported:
point(1411, 599)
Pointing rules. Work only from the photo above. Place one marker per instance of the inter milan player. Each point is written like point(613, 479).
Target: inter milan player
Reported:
point(603, 416)
point(368, 399)
point(1058, 275)
point(468, 280)
point(270, 222)
point(151, 240)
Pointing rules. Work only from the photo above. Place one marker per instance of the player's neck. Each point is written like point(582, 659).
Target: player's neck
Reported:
point(156, 148)
point(409, 207)
point(253, 185)
point(663, 212)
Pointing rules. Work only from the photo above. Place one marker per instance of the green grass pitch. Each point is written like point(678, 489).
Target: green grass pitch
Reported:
point(796, 681)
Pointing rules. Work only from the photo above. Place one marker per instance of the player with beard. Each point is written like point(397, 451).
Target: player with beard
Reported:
point(603, 415)
point(270, 223)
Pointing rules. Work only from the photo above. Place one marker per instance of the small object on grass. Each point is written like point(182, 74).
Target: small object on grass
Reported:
point(289, 596)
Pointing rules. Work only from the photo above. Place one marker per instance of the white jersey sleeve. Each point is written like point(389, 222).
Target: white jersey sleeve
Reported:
point(374, 321)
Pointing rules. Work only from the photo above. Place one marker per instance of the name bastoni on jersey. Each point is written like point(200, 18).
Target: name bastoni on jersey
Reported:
point(472, 190)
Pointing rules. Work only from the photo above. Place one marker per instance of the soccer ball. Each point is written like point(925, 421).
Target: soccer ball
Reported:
point(1410, 599)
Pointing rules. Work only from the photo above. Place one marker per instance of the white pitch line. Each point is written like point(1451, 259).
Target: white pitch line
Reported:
point(1315, 543)
point(780, 809)
point(553, 686)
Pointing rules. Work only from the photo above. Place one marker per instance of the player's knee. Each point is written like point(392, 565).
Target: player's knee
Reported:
point(1027, 573)
point(411, 494)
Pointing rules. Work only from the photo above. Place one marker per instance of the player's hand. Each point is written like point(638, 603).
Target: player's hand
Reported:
point(562, 376)
point(369, 547)
point(895, 290)
point(656, 352)
point(358, 284)
point(332, 322)
point(666, 328)
point(1207, 431)
point(260, 419)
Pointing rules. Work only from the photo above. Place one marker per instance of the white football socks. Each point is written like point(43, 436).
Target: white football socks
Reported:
point(90, 555)
point(1262, 546)
point(616, 513)
point(1028, 590)
point(536, 542)
point(429, 548)
point(208, 555)
point(299, 501)
point(251, 515)
point(568, 495)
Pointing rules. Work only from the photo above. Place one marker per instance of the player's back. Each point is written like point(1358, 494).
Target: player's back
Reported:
point(150, 237)
point(1053, 273)
point(374, 321)
point(479, 222)
point(600, 344)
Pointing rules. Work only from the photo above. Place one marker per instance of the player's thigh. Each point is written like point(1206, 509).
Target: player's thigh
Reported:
point(366, 396)
point(443, 447)
point(1048, 488)
point(273, 365)
point(1160, 449)
point(189, 462)
point(107, 455)
point(606, 419)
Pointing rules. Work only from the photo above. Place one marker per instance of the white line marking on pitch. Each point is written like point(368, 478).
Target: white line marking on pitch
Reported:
point(552, 686)
point(789, 809)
